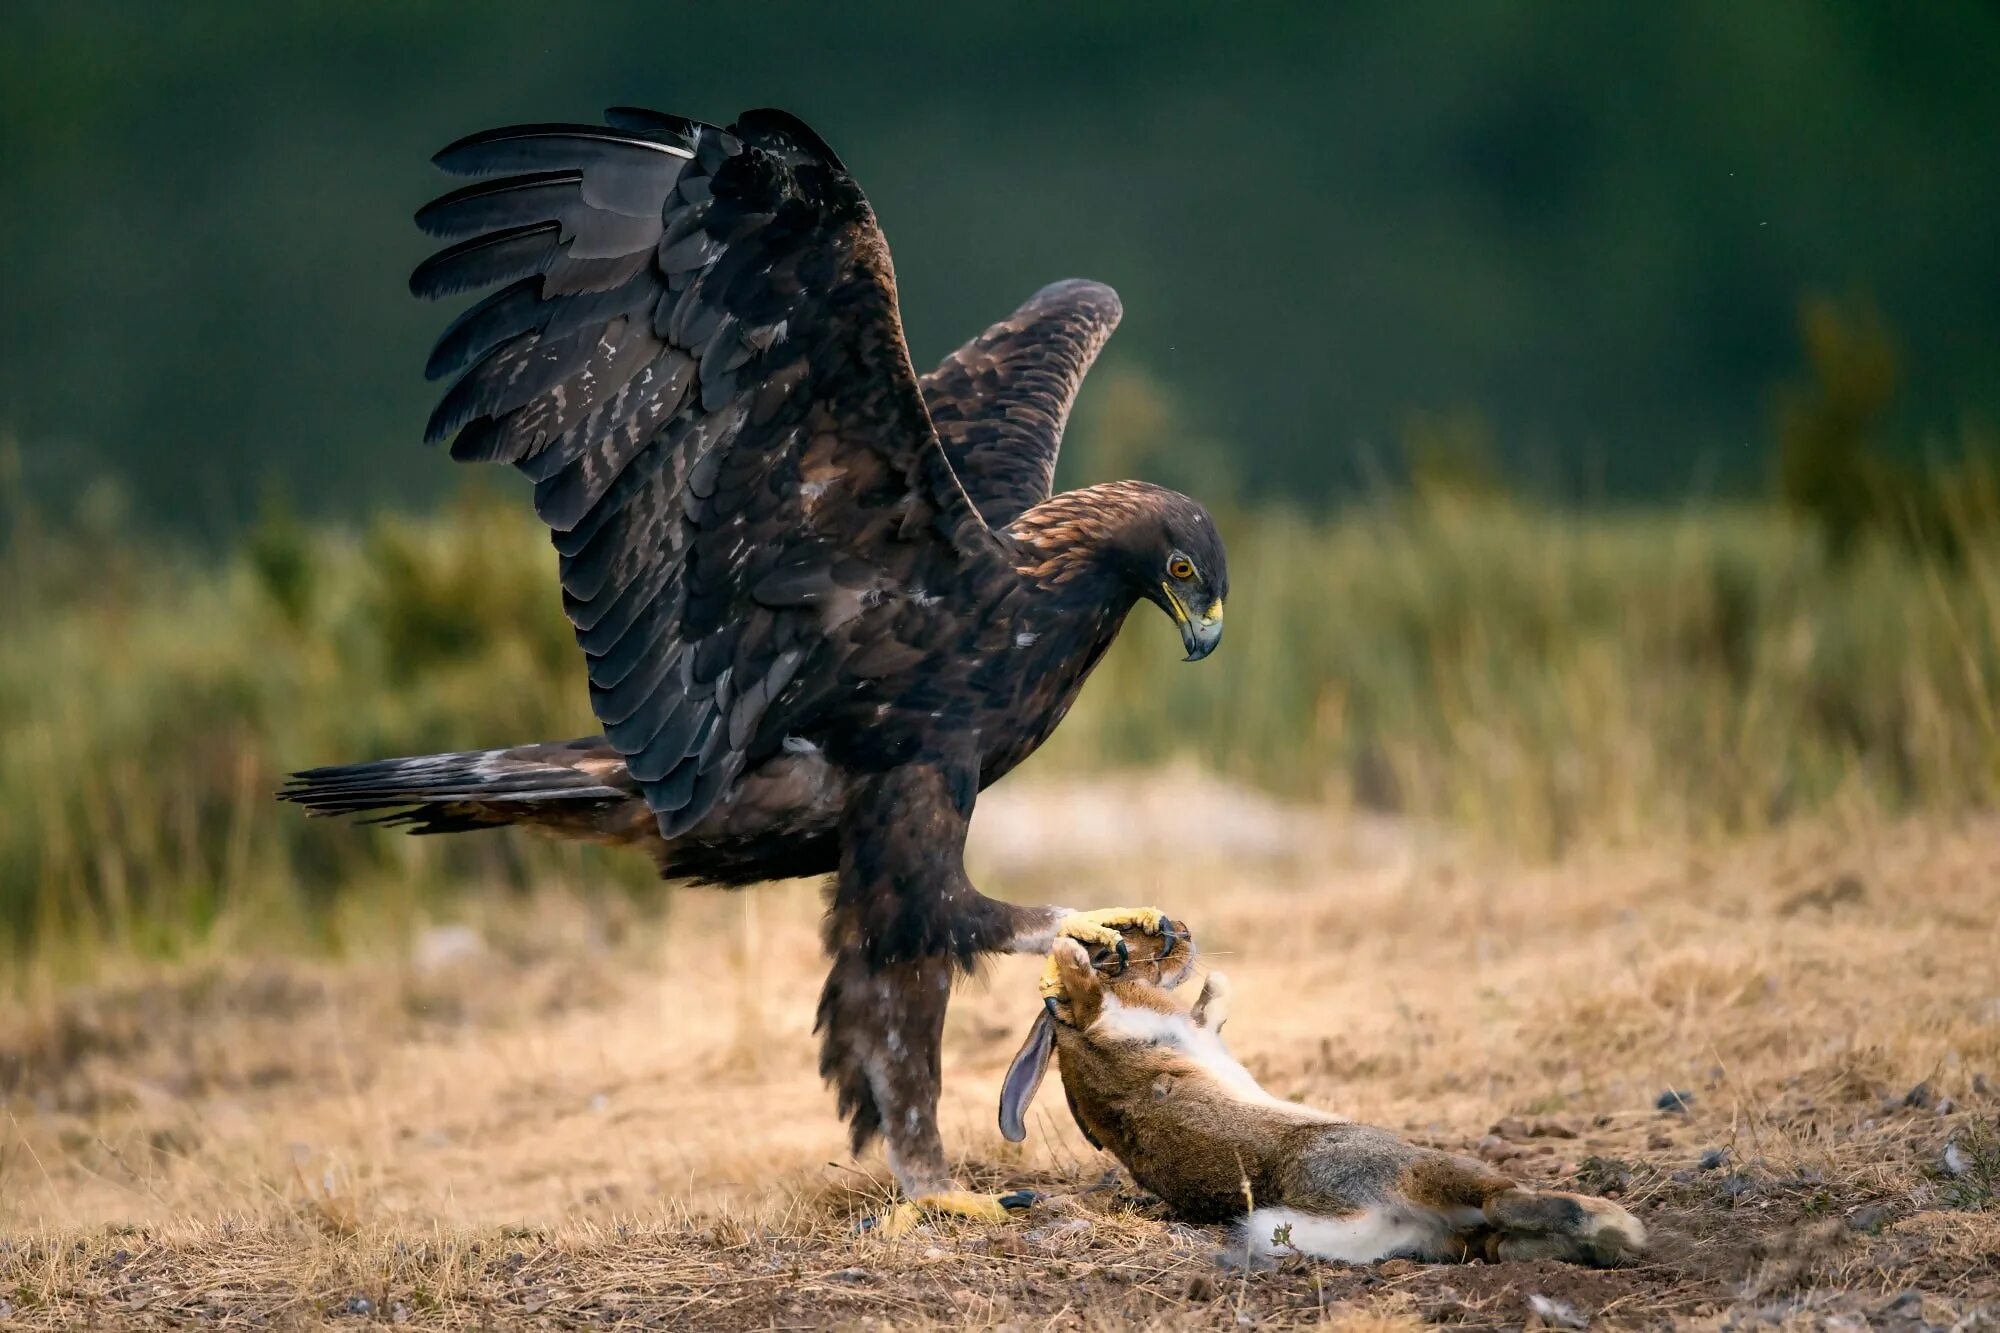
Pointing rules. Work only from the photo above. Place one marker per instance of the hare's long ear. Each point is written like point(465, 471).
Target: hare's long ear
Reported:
point(1024, 1076)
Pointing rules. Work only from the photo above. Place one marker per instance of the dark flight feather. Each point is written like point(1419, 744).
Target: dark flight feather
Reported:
point(696, 317)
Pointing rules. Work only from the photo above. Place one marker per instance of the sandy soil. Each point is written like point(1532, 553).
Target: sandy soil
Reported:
point(563, 1114)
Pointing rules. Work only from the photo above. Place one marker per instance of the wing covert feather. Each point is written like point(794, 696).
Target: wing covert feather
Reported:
point(1000, 402)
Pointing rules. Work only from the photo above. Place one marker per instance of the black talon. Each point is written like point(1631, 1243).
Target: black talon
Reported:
point(1167, 939)
point(1124, 956)
point(1019, 1200)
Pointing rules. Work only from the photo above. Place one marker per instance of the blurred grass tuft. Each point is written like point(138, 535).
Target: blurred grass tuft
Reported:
point(1833, 467)
point(1533, 676)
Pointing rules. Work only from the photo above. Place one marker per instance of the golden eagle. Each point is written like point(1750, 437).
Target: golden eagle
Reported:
point(823, 601)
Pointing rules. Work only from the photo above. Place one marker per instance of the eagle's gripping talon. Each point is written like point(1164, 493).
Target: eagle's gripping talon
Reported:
point(990, 1208)
point(1102, 930)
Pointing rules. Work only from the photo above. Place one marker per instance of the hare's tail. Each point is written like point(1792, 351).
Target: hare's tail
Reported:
point(1379, 1231)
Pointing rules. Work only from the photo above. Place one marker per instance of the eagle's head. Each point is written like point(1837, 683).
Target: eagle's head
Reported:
point(1173, 555)
point(1140, 539)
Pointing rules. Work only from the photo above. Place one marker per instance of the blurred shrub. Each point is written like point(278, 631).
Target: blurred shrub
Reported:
point(1450, 455)
point(279, 553)
point(1534, 676)
point(1832, 467)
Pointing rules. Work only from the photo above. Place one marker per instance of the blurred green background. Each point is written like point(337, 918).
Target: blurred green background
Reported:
point(1598, 402)
point(1585, 227)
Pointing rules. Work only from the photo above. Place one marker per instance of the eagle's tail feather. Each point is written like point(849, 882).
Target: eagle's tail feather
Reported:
point(577, 789)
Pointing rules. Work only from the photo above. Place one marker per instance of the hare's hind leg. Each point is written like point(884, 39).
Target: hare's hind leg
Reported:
point(1576, 1228)
point(1496, 1216)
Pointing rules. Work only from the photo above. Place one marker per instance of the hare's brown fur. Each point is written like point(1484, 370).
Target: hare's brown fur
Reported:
point(1149, 1080)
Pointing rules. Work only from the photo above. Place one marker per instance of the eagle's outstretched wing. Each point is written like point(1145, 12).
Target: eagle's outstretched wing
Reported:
point(698, 359)
point(1000, 401)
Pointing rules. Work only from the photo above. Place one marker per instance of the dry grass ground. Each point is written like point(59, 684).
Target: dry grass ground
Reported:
point(563, 1116)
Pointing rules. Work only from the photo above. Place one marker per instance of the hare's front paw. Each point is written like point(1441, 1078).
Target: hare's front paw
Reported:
point(1578, 1228)
point(1102, 932)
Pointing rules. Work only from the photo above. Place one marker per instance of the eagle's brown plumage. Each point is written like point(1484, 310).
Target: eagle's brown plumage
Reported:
point(822, 602)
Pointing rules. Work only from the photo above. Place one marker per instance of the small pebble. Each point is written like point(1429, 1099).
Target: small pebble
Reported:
point(1554, 1313)
point(1238, 1260)
point(1918, 1097)
point(1674, 1101)
point(1870, 1217)
point(1908, 1303)
point(1955, 1161)
point(360, 1305)
point(1053, 1234)
point(1713, 1159)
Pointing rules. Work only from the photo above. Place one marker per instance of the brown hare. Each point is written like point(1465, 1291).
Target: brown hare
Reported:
point(1149, 1080)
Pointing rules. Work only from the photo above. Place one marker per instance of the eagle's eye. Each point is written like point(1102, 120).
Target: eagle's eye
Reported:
point(1181, 567)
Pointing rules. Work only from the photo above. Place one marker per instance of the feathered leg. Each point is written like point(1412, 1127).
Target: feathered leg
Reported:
point(881, 1028)
point(903, 919)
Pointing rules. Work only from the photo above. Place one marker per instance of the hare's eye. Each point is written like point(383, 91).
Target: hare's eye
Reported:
point(1181, 567)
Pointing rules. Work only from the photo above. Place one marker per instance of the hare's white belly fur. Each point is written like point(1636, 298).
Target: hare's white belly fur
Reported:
point(1358, 1238)
point(1204, 1048)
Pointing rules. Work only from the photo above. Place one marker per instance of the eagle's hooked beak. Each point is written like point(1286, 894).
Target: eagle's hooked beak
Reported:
point(1199, 634)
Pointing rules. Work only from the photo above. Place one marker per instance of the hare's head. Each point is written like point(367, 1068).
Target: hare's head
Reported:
point(1146, 979)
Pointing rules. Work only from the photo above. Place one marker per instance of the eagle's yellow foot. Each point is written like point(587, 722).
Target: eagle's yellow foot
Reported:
point(1104, 929)
point(906, 1217)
